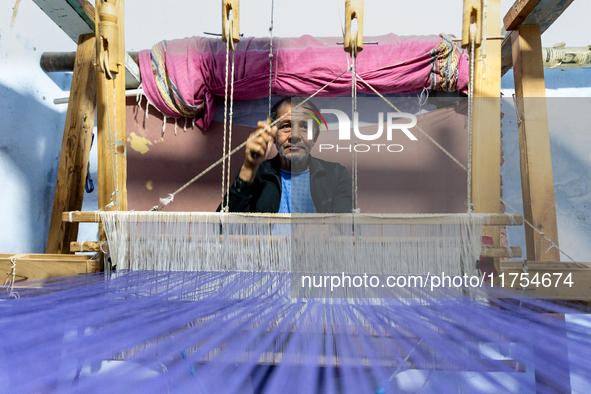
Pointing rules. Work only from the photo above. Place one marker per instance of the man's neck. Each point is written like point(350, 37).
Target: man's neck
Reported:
point(287, 165)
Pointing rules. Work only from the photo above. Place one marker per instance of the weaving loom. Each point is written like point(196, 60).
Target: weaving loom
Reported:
point(215, 302)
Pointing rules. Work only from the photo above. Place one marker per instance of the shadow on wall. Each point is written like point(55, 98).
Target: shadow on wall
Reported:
point(30, 143)
point(570, 143)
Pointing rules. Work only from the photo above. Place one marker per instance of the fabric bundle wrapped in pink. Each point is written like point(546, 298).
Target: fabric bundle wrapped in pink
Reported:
point(182, 77)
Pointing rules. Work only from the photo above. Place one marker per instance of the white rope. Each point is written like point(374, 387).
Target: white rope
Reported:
point(354, 203)
point(163, 125)
point(271, 56)
point(9, 282)
point(227, 207)
point(224, 146)
point(552, 244)
point(418, 127)
point(469, 205)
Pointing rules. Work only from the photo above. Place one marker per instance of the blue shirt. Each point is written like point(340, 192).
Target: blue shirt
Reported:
point(296, 196)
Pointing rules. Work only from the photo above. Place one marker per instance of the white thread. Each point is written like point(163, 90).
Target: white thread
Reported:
point(469, 205)
point(541, 234)
point(248, 242)
point(185, 126)
point(271, 56)
point(175, 125)
point(163, 125)
point(9, 282)
point(167, 200)
point(230, 134)
point(138, 96)
point(354, 112)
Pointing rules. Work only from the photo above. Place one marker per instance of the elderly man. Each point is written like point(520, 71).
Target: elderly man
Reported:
point(293, 181)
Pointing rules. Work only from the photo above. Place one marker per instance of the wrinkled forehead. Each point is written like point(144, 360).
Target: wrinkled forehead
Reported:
point(295, 113)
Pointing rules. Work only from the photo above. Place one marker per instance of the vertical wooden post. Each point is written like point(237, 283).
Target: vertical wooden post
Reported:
point(537, 182)
point(486, 137)
point(71, 176)
point(111, 133)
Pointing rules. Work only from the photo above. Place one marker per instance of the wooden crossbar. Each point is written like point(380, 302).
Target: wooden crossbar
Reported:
point(494, 219)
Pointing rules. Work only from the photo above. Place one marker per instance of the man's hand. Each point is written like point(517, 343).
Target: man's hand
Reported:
point(257, 150)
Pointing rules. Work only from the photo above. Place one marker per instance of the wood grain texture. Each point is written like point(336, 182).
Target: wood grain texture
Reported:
point(494, 220)
point(486, 140)
point(518, 12)
point(69, 190)
point(74, 17)
point(30, 267)
point(111, 132)
point(537, 180)
point(545, 13)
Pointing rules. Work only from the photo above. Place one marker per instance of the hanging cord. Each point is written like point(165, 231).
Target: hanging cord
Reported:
point(552, 244)
point(224, 145)
point(541, 234)
point(469, 204)
point(112, 141)
point(227, 207)
point(354, 204)
point(271, 56)
point(9, 282)
point(242, 145)
point(420, 129)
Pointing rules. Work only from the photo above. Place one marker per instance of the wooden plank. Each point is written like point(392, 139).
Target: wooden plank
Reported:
point(487, 251)
point(74, 17)
point(537, 181)
point(501, 251)
point(494, 219)
point(69, 190)
point(545, 265)
point(486, 140)
point(111, 132)
point(544, 14)
point(518, 12)
point(30, 267)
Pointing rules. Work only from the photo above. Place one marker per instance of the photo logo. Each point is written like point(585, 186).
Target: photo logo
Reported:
point(317, 117)
point(345, 129)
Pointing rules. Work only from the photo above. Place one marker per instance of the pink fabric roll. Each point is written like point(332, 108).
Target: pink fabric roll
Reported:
point(182, 77)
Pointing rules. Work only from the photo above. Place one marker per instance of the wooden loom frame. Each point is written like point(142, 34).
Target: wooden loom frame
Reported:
point(526, 18)
point(521, 48)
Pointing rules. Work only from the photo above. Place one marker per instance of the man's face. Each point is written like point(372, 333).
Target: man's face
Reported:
point(292, 134)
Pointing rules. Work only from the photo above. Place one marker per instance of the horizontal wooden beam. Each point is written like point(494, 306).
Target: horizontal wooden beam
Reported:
point(499, 219)
point(552, 279)
point(543, 13)
point(545, 265)
point(74, 17)
point(487, 251)
point(518, 13)
point(64, 62)
point(30, 267)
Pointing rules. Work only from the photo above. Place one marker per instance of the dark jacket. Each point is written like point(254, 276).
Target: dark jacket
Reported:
point(330, 186)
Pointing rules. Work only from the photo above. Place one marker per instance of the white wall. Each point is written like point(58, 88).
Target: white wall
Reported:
point(31, 126)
